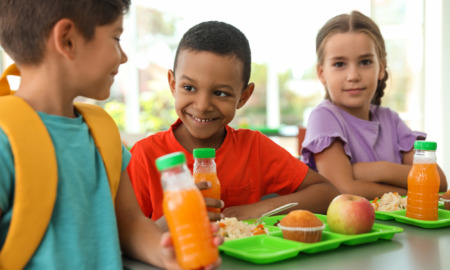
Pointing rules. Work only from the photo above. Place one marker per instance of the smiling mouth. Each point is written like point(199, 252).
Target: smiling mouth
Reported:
point(202, 120)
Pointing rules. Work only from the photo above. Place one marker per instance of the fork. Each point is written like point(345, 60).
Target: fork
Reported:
point(274, 211)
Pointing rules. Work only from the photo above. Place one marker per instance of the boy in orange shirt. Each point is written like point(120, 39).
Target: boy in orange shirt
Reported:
point(209, 82)
point(65, 49)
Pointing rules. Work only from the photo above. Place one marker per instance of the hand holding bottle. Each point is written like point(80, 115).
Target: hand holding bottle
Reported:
point(211, 203)
point(168, 249)
point(205, 171)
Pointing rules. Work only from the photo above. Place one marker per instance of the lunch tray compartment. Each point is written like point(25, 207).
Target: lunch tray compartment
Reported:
point(263, 249)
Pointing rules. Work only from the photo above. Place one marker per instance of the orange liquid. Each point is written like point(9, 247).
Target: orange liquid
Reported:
point(423, 192)
point(190, 229)
point(214, 191)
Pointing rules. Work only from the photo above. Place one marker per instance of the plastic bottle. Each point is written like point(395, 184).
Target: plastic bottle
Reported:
point(423, 183)
point(205, 170)
point(185, 212)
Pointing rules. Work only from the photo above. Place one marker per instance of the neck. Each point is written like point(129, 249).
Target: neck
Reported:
point(360, 112)
point(189, 142)
point(44, 90)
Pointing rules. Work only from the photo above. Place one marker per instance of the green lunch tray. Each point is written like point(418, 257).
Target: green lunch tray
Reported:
point(264, 249)
point(399, 216)
point(384, 215)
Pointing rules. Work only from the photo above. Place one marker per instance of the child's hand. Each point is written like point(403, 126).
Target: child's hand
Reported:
point(211, 202)
point(169, 259)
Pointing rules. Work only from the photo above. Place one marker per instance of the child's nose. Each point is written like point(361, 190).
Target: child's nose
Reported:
point(124, 57)
point(353, 74)
point(203, 103)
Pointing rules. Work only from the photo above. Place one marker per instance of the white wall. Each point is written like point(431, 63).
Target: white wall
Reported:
point(437, 78)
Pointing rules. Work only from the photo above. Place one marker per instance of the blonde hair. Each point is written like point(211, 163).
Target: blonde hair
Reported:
point(360, 23)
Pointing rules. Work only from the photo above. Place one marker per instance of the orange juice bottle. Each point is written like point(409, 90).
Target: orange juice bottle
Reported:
point(205, 170)
point(185, 212)
point(423, 183)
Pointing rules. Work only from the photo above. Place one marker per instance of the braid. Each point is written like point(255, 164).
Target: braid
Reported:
point(379, 93)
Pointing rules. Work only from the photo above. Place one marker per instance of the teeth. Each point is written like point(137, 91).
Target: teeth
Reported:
point(202, 120)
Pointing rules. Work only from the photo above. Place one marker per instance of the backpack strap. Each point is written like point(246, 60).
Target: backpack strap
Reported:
point(4, 85)
point(107, 139)
point(35, 183)
point(37, 177)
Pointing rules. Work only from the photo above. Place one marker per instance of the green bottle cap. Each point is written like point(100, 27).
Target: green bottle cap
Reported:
point(204, 153)
point(170, 160)
point(424, 145)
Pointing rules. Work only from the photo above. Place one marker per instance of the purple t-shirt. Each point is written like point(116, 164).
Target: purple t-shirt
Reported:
point(385, 137)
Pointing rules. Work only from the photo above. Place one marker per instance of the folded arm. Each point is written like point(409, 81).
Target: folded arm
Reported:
point(391, 173)
point(334, 164)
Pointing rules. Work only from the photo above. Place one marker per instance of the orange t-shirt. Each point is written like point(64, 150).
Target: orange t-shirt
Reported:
point(249, 166)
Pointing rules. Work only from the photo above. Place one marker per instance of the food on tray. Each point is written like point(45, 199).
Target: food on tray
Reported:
point(231, 228)
point(302, 226)
point(446, 199)
point(391, 201)
point(350, 214)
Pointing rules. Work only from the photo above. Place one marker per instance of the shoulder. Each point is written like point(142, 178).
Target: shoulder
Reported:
point(325, 118)
point(247, 136)
point(326, 110)
point(255, 143)
point(153, 141)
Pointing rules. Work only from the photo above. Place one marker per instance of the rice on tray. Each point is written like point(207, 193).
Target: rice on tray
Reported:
point(231, 228)
point(391, 201)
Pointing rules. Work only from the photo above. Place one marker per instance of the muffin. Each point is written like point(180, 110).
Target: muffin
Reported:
point(302, 226)
point(446, 199)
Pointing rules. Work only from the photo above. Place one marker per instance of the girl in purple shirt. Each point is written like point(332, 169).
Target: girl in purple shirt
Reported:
point(362, 148)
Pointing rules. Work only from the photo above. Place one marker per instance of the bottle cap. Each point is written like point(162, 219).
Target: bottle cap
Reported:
point(204, 152)
point(424, 145)
point(170, 160)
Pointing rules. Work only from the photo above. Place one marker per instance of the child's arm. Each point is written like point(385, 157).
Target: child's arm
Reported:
point(383, 172)
point(314, 194)
point(391, 173)
point(334, 164)
point(140, 237)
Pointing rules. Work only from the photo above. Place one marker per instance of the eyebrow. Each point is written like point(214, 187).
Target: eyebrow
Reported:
point(216, 86)
point(367, 55)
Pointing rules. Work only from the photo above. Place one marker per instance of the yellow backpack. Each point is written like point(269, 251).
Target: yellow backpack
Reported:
point(37, 177)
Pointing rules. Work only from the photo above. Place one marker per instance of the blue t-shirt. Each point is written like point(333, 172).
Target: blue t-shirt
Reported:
point(82, 233)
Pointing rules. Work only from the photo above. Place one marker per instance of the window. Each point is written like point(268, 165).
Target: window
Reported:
point(282, 38)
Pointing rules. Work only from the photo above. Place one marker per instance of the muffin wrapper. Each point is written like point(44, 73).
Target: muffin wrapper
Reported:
point(305, 235)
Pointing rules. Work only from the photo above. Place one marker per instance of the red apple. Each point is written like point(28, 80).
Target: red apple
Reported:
point(350, 214)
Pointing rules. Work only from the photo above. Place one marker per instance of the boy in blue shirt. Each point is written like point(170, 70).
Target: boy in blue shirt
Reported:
point(65, 49)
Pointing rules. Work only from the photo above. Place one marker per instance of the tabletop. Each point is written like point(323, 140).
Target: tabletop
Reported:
point(414, 248)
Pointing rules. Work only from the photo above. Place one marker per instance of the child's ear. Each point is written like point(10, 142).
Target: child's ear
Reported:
point(64, 36)
point(319, 69)
point(171, 78)
point(246, 94)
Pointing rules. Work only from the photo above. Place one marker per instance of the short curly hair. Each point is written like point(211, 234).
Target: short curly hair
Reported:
point(220, 38)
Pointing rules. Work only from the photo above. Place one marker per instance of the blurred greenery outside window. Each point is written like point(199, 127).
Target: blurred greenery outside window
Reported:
point(153, 29)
